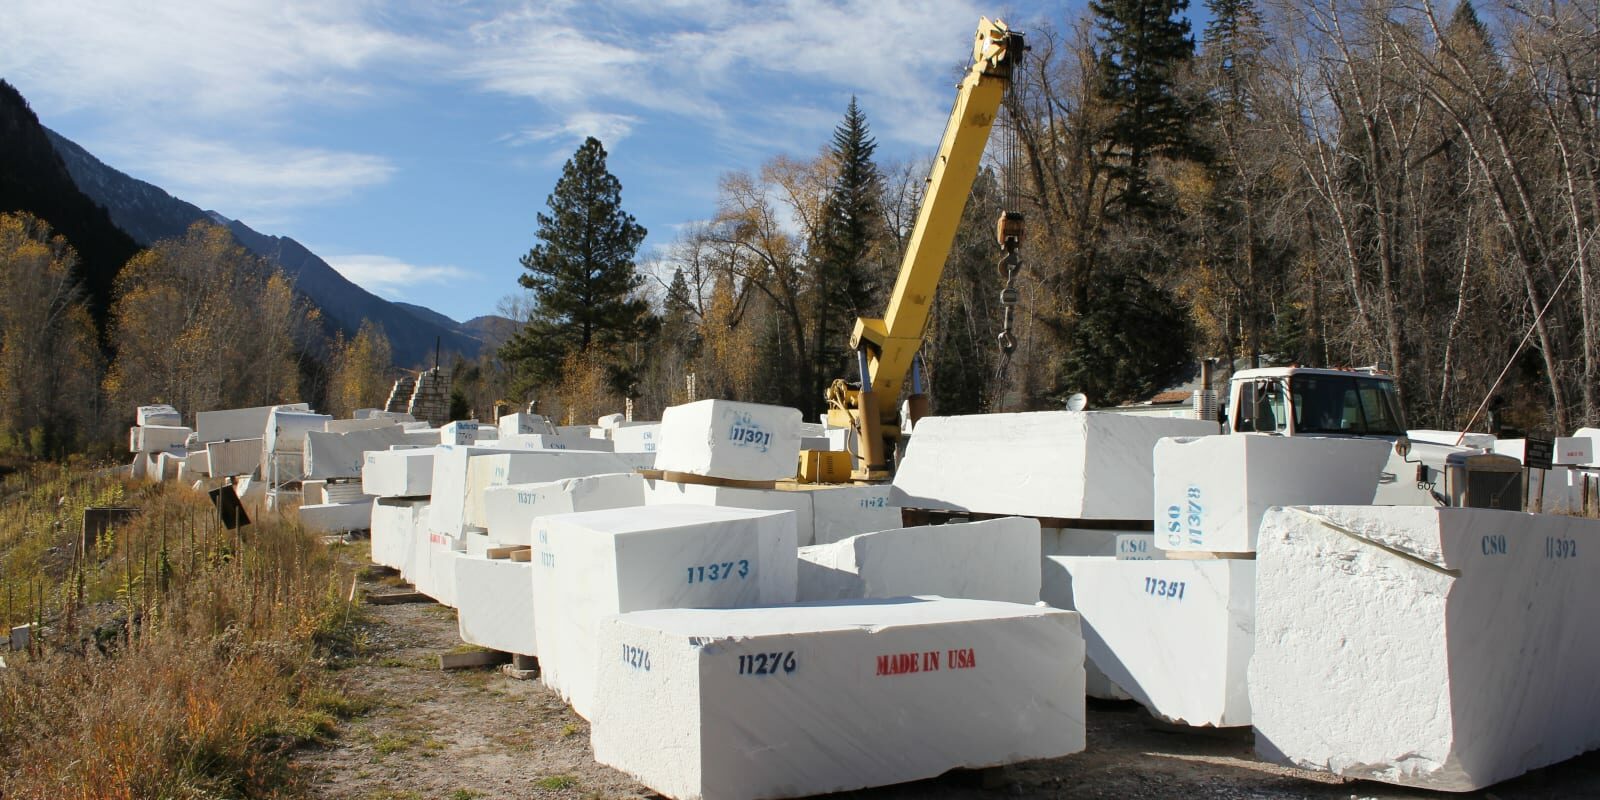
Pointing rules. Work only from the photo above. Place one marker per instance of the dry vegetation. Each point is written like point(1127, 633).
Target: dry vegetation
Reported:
point(180, 660)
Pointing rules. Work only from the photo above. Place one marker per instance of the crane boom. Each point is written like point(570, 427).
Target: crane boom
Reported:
point(888, 346)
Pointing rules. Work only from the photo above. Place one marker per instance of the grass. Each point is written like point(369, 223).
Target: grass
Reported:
point(556, 783)
point(180, 659)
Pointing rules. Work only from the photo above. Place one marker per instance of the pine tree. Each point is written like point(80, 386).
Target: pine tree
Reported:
point(1141, 46)
point(844, 244)
point(581, 273)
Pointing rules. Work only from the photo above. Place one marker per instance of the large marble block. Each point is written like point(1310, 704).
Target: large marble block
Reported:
point(237, 423)
point(509, 511)
point(523, 423)
point(665, 492)
point(337, 517)
point(995, 559)
point(596, 563)
point(727, 439)
point(233, 457)
point(286, 430)
point(550, 441)
point(494, 604)
point(504, 468)
point(1176, 635)
point(1066, 464)
point(1211, 491)
point(396, 524)
point(636, 438)
point(158, 415)
point(811, 699)
point(156, 438)
point(343, 455)
point(460, 432)
point(839, 512)
point(398, 473)
point(1443, 648)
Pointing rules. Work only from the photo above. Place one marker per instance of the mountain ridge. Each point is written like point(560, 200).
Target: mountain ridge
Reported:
point(148, 213)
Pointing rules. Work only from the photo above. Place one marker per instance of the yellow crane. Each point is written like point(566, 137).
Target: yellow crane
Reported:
point(886, 348)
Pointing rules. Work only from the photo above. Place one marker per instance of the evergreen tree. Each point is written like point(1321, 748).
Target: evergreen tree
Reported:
point(844, 243)
point(1141, 46)
point(581, 273)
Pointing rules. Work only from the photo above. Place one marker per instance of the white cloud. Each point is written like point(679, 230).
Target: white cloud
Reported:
point(391, 277)
point(249, 181)
point(608, 128)
point(209, 59)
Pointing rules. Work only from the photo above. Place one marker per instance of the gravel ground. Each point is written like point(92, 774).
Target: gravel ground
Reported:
point(479, 734)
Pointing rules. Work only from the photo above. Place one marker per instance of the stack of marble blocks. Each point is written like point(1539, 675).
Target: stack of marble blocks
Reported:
point(1209, 495)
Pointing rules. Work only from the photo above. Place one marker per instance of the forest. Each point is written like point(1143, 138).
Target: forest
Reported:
point(1409, 186)
point(1333, 183)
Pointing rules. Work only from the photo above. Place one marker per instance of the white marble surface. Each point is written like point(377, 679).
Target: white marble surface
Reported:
point(664, 492)
point(811, 699)
point(398, 473)
point(396, 523)
point(839, 512)
point(342, 455)
point(1066, 464)
point(156, 438)
point(506, 467)
point(336, 517)
point(509, 511)
point(164, 415)
point(1173, 634)
point(494, 604)
point(1211, 491)
point(233, 457)
point(237, 423)
point(727, 439)
point(1440, 648)
point(994, 559)
point(592, 564)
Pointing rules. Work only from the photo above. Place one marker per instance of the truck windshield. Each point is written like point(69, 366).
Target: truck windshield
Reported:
point(1347, 404)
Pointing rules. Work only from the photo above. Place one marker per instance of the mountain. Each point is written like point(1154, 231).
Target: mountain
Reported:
point(429, 315)
point(148, 214)
point(33, 178)
point(492, 329)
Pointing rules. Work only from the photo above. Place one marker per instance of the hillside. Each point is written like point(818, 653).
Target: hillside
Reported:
point(33, 178)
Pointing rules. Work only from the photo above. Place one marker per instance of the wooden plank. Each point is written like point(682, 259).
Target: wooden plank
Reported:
point(473, 658)
point(525, 554)
point(915, 517)
point(686, 477)
point(508, 551)
point(1206, 555)
point(396, 598)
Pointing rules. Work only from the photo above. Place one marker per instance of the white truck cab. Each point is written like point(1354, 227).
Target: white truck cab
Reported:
point(1304, 401)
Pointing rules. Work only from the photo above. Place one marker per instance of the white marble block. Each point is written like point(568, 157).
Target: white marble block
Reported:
point(455, 509)
point(509, 511)
point(193, 466)
point(596, 563)
point(396, 524)
point(1174, 634)
point(664, 492)
point(839, 512)
point(636, 438)
point(1066, 464)
point(727, 439)
point(156, 438)
point(523, 423)
point(237, 423)
point(336, 517)
point(233, 457)
point(1442, 648)
point(812, 699)
point(494, 604)
point(1211, 491)
point(460, 432)
point(995, 559)
point(158, 415)
point(167, 464)
point(398, 473)
point(286, 430)
point(343, 455)
point(313, 492)
point(550, 441)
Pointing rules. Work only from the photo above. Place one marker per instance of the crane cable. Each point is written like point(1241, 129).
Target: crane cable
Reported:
point(1008, 231)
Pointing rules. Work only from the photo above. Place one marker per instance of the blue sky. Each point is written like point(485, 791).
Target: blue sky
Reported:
point(411, 143)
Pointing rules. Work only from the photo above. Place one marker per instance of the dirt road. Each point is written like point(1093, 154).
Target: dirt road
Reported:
point(479, 734)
